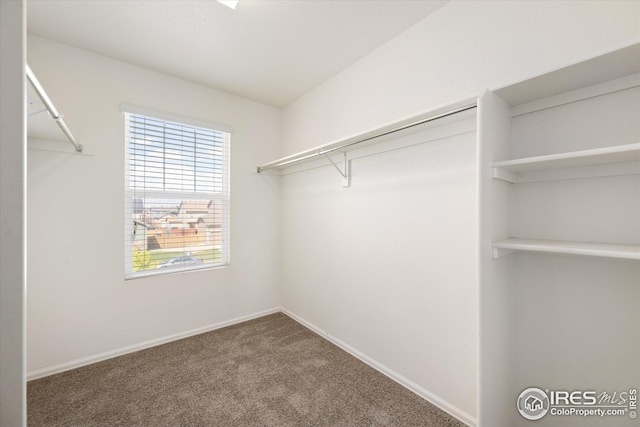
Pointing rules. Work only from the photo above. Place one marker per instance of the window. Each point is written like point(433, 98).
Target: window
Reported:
point(176, 196)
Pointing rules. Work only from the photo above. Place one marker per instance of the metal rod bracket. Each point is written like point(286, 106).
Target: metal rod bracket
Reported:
point(36, 112)
point(51, 108)
point(347, 170)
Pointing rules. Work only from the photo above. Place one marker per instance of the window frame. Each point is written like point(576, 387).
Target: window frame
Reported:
point(223, 197)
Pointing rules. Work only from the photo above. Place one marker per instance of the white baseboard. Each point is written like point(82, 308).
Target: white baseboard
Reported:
point(420, 391)
point(73, 364)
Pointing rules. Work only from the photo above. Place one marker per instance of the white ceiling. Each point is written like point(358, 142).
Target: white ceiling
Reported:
point(271, 51)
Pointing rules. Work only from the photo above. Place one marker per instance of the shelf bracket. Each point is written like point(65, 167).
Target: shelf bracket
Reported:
point(504, 175)
point(500, 252)
point(344, 174)
point(36, 112)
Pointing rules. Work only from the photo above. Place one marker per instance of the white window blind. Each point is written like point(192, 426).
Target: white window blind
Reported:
point(176, 196)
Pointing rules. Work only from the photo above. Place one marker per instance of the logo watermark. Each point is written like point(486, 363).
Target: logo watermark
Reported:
point(534, 403)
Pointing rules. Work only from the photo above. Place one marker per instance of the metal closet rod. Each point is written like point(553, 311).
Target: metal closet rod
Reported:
point(51, 108)
point(321, 151)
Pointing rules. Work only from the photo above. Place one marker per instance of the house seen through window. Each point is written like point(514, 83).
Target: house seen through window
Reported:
point(176, 196)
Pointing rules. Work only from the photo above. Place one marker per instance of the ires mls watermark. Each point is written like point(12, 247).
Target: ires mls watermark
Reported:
point(534, 403)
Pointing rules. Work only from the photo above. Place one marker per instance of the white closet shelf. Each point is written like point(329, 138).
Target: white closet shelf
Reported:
point(606, 250)
point(599, 156)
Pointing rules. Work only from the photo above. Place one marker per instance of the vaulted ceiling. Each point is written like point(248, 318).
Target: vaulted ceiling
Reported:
point(271, 51)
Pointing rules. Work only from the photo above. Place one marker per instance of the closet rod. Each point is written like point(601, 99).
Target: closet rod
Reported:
point(323, 151)
point(51, 108)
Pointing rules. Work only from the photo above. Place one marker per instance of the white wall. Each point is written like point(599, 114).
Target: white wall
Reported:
point(80, 306)
point(461, 49)
point(388, 266)
point(454, 54)
point(12, 214)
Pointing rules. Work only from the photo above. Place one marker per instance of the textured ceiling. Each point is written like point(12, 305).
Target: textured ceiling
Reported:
point(271, 51)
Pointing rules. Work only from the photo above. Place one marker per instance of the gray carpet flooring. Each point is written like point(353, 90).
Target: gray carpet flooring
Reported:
point(269, 371)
